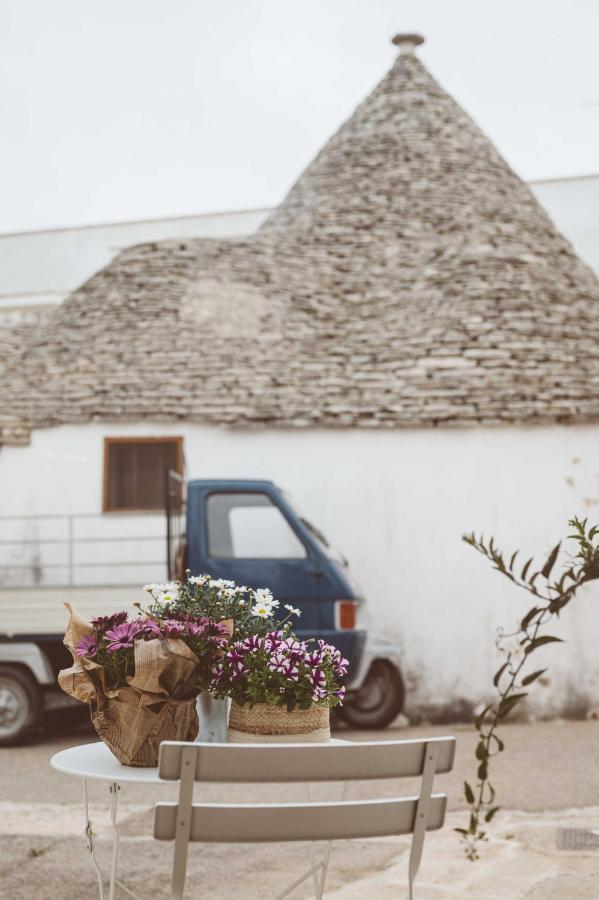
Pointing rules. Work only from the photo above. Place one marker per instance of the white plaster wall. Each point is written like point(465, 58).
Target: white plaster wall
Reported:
point(397, 504)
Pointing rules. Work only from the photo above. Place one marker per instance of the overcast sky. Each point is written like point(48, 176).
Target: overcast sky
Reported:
point(127, 109)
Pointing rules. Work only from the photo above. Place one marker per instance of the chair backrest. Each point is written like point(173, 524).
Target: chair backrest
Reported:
point(251, 763)
point(343, 761)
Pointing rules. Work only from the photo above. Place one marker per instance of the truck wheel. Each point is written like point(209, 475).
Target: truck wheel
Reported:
point(379, 700)
point(20, 705)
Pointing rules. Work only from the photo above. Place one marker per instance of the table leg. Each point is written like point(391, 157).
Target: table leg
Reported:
point(114, 794)
point(89, 835)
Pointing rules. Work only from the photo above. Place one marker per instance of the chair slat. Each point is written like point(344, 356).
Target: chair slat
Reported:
point(251, 823)
point(246, 763)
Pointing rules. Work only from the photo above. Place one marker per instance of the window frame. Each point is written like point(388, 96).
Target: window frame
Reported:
point(133, 439)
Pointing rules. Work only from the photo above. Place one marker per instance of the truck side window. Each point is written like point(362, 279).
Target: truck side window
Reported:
point(249, 526)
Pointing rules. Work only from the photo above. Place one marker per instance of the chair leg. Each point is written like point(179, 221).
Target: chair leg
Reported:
point(184, 816)
point(324, 872)
point(421, 818)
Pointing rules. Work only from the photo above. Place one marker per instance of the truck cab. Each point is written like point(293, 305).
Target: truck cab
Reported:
point(249, 532)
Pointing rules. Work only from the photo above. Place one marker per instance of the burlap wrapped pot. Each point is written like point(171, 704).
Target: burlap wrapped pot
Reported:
point(264, 723)
point(157, 704)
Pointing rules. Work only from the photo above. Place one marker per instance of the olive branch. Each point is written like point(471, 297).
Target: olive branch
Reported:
point(551, 596)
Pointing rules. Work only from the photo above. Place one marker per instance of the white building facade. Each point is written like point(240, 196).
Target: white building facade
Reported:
point(395, 497)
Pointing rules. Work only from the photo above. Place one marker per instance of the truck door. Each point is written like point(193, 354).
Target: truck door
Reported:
point(248, 538)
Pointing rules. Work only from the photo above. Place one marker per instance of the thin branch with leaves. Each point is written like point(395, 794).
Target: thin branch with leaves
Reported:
point(551, 596)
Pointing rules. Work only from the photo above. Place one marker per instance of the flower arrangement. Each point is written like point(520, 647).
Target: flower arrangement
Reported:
point(111, 643)
point(278, 669)
point(280, 688)
point(253, 612)
point(141, 677)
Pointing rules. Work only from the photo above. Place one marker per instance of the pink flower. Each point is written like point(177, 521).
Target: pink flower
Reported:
point(172, 628)
point(122, 636)
point(102, 623)
point(87, 646)
point(150, 629)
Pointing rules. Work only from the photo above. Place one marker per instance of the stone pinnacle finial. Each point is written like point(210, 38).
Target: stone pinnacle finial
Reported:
point(407, 43)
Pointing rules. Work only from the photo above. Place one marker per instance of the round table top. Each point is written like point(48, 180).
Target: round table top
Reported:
point(95, 760)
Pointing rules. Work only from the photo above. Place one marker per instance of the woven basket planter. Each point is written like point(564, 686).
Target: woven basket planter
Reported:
point(266, 724)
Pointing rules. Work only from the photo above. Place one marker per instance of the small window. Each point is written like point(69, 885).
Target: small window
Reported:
point(249, 526)
point(135, 472)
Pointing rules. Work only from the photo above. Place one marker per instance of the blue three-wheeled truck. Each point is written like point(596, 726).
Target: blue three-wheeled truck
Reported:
point(247, 531)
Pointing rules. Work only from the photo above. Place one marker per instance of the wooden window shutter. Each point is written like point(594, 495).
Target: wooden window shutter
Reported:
point(135, 471)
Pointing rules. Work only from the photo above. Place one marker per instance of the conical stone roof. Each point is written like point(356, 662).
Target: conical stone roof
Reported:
point(409, 278)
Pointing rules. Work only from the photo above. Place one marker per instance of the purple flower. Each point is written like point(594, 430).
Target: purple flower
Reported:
point(293, 645)
point(340, 692)
point(103, 623)
point(319, 694)
point(238, 670)
point(277, 663)
point(280, 663)
point(172, 628)
point(317, 678)
point(122, 636)
point(234, 656)
point(252, 643)
point(217, 675)
point(273, 640)
point(87, 646)
point(313, 660)
point(149, 629)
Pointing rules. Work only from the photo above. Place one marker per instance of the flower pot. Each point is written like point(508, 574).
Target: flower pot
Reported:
point(214, 717)
point(134, 733)
point(266, 724)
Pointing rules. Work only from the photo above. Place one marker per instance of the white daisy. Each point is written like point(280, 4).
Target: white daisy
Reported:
point(293, 610)
point(261, 610)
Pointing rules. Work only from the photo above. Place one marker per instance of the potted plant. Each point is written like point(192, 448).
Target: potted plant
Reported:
point(141, 677)
point(281, 688)
point(251, 612)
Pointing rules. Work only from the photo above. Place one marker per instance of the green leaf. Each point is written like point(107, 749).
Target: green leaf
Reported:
point(541, 641)
point(499, 742)
point(499, 673)
point(513, 560)
point(481, 750)
point(526, 568)
point(508, 703)
point(529, 617)
point(533, 677)
point(478, 721)
point(491, 813)
point(473, 824)
point(546, 570)
point(468, 793)
point(463, 831)
point(483, 770)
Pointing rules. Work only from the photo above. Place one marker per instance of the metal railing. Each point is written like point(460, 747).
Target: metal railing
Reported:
point(29, 558)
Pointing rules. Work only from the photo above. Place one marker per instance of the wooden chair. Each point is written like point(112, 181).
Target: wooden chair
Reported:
point(187, 821)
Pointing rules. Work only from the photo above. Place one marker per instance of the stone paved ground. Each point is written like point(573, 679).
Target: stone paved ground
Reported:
point(548, 779)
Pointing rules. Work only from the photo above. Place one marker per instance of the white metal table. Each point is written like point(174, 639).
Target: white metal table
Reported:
point(95, 762)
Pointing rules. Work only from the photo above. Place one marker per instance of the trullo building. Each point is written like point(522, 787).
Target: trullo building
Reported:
point(406, 344)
